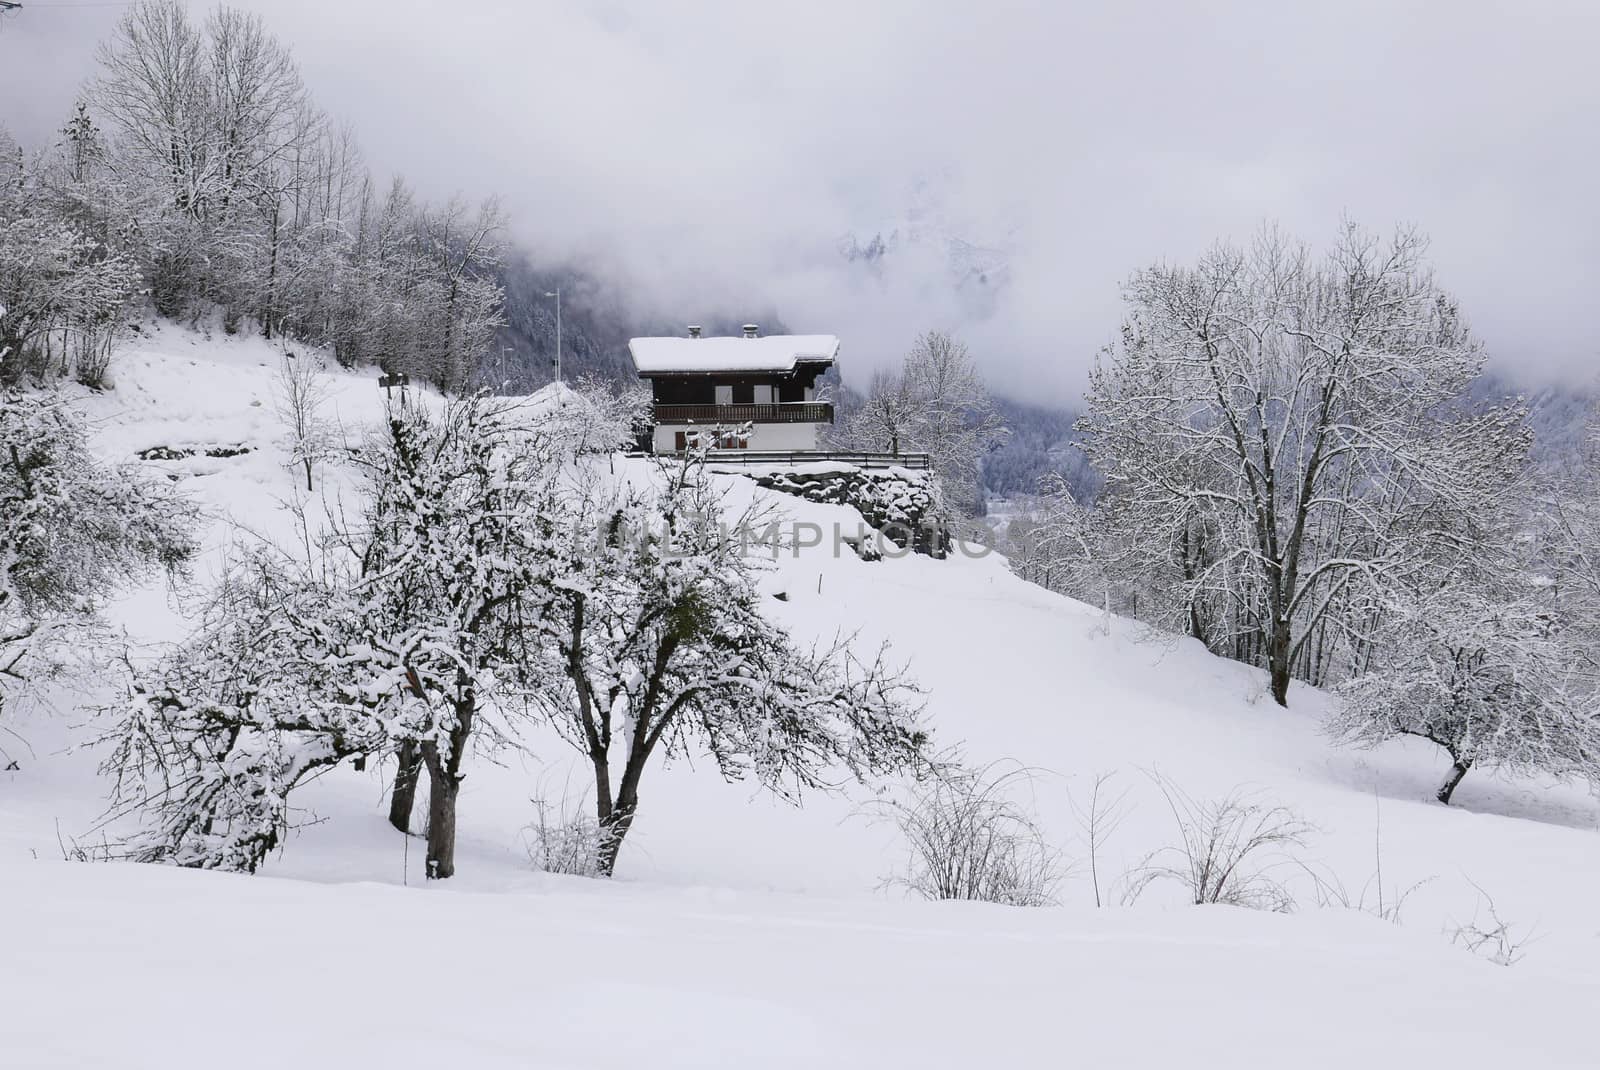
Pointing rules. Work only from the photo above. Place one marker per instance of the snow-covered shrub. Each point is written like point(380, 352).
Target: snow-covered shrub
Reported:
point(565, 841)
point(71, 530)
point(1227, 850)
point(969, 837)
point(599, 416)
point(1501, 942)
point(63, 299)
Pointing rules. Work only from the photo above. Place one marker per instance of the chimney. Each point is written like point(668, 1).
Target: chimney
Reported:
point(694, 330)
point(752, 330)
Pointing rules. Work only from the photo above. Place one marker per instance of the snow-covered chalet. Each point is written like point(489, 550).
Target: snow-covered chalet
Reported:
point(758, 391)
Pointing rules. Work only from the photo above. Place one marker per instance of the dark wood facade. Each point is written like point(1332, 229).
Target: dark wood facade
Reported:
point(701, 389)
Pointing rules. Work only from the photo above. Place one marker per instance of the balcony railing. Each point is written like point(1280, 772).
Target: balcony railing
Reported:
point(785, 412)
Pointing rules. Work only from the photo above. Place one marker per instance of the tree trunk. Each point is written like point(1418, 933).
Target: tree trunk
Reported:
point(1448, 788)
point(443, 787)
point(272, 282)
point(613, 829)
point(1278, 661)
point(611, 820)
point(404, 797)
point(444, 784)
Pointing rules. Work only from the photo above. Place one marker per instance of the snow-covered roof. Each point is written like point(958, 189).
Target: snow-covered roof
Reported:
point(768, 353)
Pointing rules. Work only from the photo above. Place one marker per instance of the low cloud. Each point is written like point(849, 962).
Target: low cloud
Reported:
point(716, 155)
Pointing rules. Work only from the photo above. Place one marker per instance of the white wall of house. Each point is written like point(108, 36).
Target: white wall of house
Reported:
point(762, 436)
point(784, 437)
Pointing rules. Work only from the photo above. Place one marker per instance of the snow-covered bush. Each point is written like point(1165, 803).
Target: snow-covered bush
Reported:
point(1227, 852)
point(599, 416)
point(71, 530)
point(64, 299)
point(969, 837)
point(565, 841)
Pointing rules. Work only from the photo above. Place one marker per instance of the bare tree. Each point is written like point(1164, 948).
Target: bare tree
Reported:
point(885, 421)
point(301, 392)
point(1283, 446)
point(463, 247)
point(935, 404)
point(956, 420)
point(1484, 674)
point(415, 629)
point(153, 88)
point(663, 648)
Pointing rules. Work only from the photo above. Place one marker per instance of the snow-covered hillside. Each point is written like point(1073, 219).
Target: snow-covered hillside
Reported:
point(743, 932)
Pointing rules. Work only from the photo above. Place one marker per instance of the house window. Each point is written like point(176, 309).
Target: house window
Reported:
point(724, 395)
point(764, 394)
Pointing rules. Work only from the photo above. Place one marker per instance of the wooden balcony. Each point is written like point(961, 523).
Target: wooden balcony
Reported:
point(787, 412)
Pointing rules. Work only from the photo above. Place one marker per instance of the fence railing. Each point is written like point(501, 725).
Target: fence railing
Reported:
point(793, 457)
point(784, 412)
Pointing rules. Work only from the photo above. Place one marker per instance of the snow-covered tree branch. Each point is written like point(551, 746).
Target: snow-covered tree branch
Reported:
point(71, 530)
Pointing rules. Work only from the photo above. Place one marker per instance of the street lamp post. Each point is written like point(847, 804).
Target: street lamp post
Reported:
point(556, 293)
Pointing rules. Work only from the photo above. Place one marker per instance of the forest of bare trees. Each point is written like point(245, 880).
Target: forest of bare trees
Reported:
point(199, 173)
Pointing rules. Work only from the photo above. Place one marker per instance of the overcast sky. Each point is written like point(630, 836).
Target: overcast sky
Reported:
point(714, 154)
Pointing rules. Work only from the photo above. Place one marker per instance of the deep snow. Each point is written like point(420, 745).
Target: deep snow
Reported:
point(743, 932)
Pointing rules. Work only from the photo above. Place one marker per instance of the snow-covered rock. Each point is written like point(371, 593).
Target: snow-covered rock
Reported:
point(900, 503)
